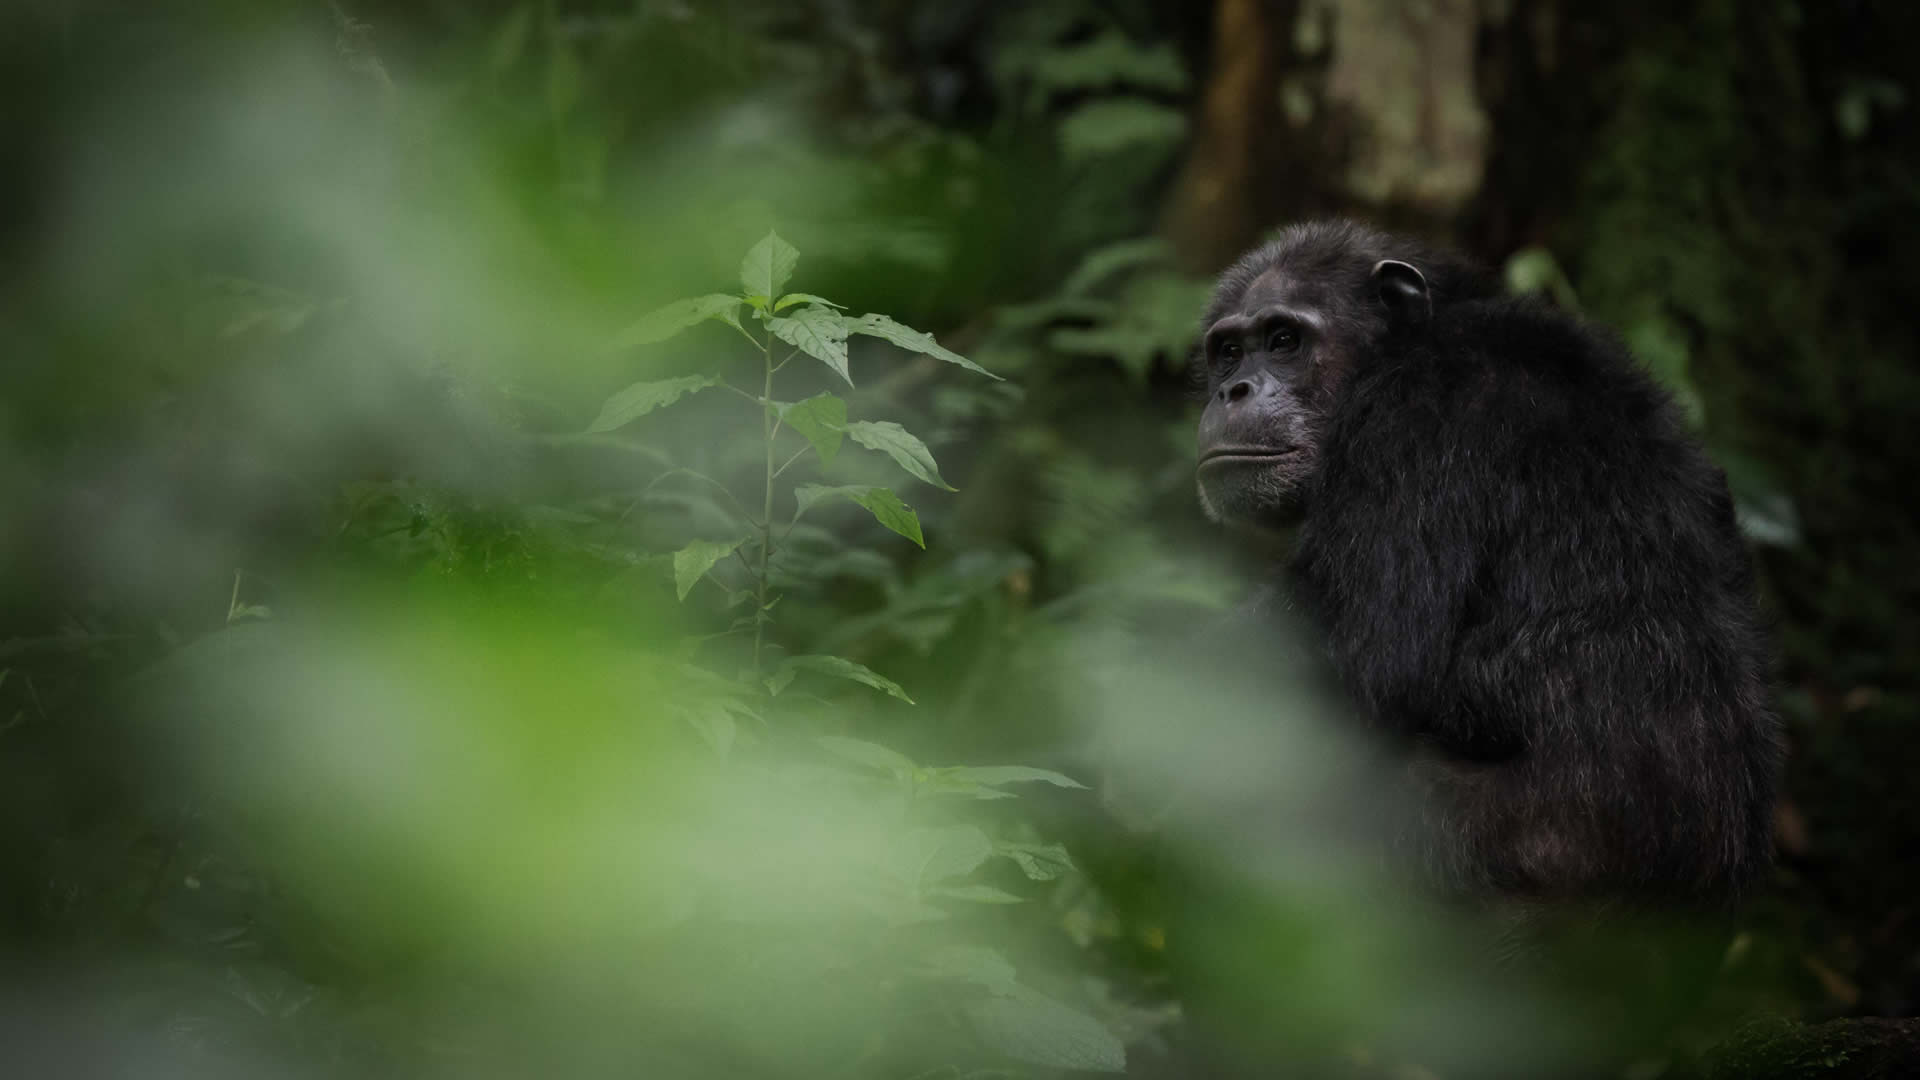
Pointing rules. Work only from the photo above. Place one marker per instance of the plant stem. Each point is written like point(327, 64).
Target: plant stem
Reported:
point(767, 428)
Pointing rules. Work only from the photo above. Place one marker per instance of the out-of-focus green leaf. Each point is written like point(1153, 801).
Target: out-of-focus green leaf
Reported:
point(1026, 1025)
point(1535, 270)
point(1111, 59)
point(862, 752)
point(841, 668)
point(642, 398)
point(882, 503)
point(1040, 862)
point(976, 894)
point(820, 333)
point(663, 323)
point(971, 963)
point(768, 265)
point(1109, 125)
point(995, 775)
point(901, 445)
point(1106, 262)
point(822, 419)
point(875, 325)
point(510, 40)
point(692, 562)
point(714, 724)
point(937, 855)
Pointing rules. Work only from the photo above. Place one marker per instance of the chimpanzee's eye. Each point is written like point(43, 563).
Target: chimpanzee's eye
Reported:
point(1283, 339)
point(1230, 351)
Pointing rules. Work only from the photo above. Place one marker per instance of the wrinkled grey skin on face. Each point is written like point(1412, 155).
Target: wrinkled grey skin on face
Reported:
point(1284, 330)
point(1290, 324)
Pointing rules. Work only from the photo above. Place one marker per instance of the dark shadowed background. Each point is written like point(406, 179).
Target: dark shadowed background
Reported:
point(378, 698)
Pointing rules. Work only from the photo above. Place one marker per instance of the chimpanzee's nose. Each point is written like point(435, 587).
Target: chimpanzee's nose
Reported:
point(1237, 391)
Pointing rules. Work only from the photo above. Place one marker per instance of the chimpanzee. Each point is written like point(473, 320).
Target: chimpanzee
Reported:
point(1525, 571)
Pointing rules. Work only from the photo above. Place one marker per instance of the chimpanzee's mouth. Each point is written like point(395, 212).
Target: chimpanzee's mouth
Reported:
point(1221, 455)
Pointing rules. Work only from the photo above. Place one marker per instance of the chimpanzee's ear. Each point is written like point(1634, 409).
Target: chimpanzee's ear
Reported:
point(1403, 289)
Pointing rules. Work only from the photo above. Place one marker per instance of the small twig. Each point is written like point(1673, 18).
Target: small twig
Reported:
point(703, 477)
point(796, 457)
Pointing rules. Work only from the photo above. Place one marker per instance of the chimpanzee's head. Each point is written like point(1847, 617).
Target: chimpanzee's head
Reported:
point(1288, 325)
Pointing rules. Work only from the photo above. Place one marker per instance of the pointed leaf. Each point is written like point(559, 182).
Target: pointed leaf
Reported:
point(882, 503)
point(841, 668)
point(692, 562)
point(941, 854)
point(644, 397)
point(972, 963)
point(819, 332)
point(1029, 1026)
point(1040, 862)
point(822, 418)
point(876, 325)
point(791, 299)
point(768, 265)
point(865, 753)
point(778, 681)
point(977, 894)
point(901, 445)
point(714, 724)
point(663, 323)
point(994, 775)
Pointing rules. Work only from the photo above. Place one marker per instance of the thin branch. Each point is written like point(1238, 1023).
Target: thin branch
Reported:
point(704, 478)
point(791, 460)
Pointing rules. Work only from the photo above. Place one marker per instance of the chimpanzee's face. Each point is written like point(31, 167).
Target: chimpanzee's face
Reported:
point(1275, 358)
point(1272, 364)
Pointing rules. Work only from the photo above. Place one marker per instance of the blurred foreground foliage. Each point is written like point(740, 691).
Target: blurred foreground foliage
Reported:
point(415, 659)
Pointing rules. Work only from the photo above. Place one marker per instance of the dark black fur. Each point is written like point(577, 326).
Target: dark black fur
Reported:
point(1528, 575)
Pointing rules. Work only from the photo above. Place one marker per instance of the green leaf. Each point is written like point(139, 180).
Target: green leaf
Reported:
point(1110, 125)
point(876, 325)
point(994, 775)
point(663, 323)
point(1107, 262)
point(791, 299)
point(882, 503)
point(972, 963)
point(865, 753)
point(510, 40)
point(841, 668)
point(936, 785)
point(822, 418)
point(941, 854)
point(642, 398)
point(977, 894)
point(714, 724)
point(768, 265)
point(901, 445)
point(692, 562)
point(1040, 862)
point(778, 681)
point(819, 332)
point(1029, 1026)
